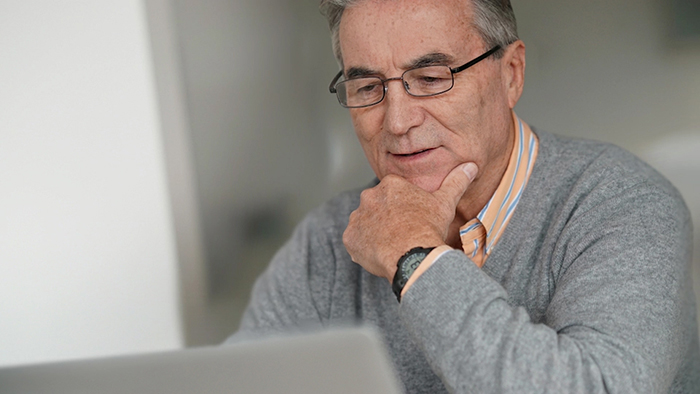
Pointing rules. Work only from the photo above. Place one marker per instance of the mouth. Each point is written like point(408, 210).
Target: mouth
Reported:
point(413, 154)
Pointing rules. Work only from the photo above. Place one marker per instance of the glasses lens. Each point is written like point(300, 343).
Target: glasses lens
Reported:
point(428, 81)
point(360, 92)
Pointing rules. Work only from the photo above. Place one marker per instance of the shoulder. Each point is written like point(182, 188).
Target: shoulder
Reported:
point(583, 193)
point(332, 216)
point(317, 241)
point(299, 284)
point(579, 167)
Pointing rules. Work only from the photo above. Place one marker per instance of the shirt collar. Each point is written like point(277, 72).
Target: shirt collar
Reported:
point(497, 212)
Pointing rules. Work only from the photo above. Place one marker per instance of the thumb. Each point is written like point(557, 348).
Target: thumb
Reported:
point(456, 182)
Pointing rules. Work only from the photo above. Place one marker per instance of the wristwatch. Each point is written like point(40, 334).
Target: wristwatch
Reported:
point(406, 267)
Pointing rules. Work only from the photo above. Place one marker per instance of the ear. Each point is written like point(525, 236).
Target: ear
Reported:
point(513, 68)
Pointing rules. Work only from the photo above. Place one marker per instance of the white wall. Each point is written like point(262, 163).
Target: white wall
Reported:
point(87, 252)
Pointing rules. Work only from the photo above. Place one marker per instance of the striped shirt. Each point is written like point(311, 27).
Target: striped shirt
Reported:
point(480, 235)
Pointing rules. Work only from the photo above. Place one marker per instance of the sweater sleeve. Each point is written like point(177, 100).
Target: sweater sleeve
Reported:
point(615, 322)
point(293, 291)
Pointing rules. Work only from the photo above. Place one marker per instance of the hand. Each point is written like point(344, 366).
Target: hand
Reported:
point(395, 216)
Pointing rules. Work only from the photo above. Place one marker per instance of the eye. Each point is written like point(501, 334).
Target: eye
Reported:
point(367, 87)
point(429, 80)
point(360, 92)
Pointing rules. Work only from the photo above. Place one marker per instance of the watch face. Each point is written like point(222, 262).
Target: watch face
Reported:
point(410, 264)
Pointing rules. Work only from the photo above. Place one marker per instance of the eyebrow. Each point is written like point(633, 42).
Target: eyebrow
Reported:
point(431, 59)
point(359, 72)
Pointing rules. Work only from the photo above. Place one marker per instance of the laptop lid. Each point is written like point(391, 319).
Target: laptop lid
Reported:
point(342, 360)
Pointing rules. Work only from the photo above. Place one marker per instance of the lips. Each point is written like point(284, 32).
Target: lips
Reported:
point(414, 153)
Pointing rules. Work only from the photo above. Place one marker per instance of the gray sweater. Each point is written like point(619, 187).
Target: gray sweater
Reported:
point(588, 290)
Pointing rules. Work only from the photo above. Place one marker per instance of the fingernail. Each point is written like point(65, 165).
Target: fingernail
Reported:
point(470, 169)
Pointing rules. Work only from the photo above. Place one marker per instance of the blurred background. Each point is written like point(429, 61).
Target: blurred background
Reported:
point(154, 154)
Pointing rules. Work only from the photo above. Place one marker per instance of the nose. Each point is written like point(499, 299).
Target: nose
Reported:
point(401, 111)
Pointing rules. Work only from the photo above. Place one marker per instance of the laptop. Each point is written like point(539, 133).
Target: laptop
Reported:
point(340, 360)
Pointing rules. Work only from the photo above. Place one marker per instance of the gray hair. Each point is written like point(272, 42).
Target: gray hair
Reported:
point(494, 20)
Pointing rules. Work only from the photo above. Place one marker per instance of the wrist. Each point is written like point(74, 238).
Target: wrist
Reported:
point(425, 265)
point(398, 251)
point(406, 266)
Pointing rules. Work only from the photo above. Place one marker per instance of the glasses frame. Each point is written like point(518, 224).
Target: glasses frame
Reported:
point(453, 71)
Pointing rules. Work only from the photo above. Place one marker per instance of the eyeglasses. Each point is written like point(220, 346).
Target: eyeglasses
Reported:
point(418, 82)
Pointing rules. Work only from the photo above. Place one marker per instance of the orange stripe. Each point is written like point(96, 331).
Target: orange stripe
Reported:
point(495, 216)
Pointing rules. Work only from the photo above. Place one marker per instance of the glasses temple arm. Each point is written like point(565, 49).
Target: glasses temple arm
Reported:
point(475, 61)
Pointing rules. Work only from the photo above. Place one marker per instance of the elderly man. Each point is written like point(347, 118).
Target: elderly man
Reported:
point(492, 256)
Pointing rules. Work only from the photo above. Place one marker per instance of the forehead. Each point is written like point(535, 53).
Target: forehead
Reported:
point(392, 33)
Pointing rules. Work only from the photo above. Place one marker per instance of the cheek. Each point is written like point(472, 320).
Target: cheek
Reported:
point(460, 117)
point(364, 124)
point(467, 118)
point(368, 131)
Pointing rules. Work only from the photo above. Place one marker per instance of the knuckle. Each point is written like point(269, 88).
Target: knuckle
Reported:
point(365, 195)
point(369, 199)
point(351, 220)
point(347, 237)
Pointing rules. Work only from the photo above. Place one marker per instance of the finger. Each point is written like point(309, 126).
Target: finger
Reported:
point(456, 182)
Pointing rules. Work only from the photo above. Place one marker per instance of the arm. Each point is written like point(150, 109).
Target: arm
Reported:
point(295, 289)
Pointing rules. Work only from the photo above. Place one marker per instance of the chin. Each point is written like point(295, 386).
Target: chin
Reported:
point(429, 184)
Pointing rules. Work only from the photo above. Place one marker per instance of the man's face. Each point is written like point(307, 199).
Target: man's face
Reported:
point(423, 138)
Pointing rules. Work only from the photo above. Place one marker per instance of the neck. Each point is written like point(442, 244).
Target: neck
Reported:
point(479, 193)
